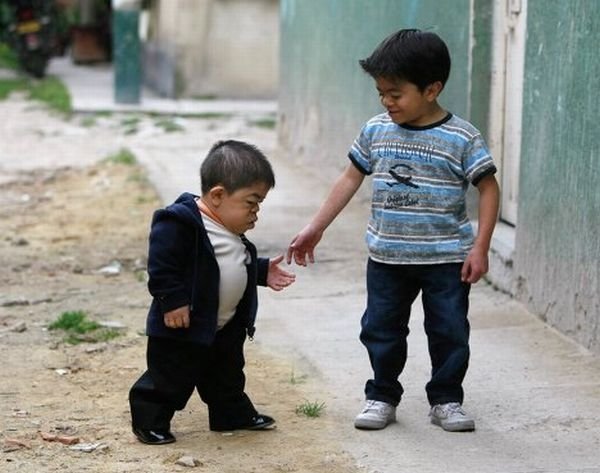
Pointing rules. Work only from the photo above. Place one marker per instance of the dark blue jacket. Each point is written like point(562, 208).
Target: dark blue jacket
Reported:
point(183, 270)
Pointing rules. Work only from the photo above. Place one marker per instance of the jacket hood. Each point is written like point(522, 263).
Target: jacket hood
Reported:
point(184, 209)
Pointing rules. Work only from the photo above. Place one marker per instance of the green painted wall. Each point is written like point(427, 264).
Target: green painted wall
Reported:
point(325, 97)
point(324, 94)
point(558, 230)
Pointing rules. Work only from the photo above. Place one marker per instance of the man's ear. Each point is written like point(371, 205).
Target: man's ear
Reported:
point(215, 195)
point(433, 90)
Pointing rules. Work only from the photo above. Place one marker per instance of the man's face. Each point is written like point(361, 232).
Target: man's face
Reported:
point(239, 210)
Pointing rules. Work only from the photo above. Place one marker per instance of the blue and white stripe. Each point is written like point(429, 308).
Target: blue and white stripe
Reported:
point(420, 178)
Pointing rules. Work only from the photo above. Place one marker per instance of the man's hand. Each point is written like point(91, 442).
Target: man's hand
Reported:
point(475, 266)
point(302, 245)
point(178, 318)
point(278, 279)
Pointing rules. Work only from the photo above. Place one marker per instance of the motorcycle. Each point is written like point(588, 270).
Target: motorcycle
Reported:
point(31, 33)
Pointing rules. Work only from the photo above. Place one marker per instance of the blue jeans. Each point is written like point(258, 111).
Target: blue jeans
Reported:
point(391, 290)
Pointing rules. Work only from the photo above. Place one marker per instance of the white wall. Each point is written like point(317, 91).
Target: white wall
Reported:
point(225, 48)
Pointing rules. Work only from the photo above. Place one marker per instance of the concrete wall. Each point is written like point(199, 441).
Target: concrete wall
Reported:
point(324, 95)
point(223, 48)
point(558, 243)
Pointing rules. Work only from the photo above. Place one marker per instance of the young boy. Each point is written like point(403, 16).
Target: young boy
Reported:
point(422, 159)
point(203, 274)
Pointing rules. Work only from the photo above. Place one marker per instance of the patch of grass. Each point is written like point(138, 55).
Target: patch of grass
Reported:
point(297, 379)
point(8, 59)
point(79, 329)
point(52, 92)
point(269, 123)
point(310, 409)
point(169, 125)
point(74, 321)
point(204, 97)
point(130, 121)
point(7, 86)
point(209, 115)
point(123, 156)
point(131, 125)
point(88, 121)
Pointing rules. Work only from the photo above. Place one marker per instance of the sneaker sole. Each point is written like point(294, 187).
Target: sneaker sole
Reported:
point(364, 424)
point(459, 427)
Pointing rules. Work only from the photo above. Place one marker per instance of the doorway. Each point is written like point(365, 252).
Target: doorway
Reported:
point(508, 61)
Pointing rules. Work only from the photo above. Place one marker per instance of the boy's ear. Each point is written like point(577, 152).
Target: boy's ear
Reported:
point(215, 195)
point(433, 90)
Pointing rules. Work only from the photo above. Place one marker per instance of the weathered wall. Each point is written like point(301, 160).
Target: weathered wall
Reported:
point(224, 48)
point(558, 243)
point(324, 95)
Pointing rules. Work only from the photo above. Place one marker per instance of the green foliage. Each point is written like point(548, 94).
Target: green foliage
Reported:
point(88, 121)
point(297, 379)
point(78, 328)
point(50, 91)
point(209, 115)
point(269, 123)
point(169, 125)
point(7, 86)
point(310, 409)
point(75, 321)
point(8, 59)
point(123, 156)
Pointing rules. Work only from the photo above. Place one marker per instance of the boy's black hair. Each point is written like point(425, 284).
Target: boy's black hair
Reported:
point(235, 165)
point(416, 56)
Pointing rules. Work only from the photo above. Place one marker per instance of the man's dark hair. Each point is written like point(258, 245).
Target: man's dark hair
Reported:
point(416, 56)
point(235, 165)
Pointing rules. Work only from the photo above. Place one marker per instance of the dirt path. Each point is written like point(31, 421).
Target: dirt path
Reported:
point(63, 232)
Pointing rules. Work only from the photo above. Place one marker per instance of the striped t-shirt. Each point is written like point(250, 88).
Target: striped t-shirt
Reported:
point(420, 178)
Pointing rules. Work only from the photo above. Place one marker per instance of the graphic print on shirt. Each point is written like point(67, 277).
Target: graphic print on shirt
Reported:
point(401, 173)
point(400, 179)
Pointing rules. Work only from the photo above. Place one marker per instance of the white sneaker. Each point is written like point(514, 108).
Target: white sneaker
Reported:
point(451, 417)
point(375, 415)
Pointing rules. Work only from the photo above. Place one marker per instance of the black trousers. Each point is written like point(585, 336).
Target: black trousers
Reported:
point(176, 368)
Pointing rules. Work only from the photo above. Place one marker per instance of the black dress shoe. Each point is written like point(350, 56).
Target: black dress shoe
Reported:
point(154, 437)
point(258, 422)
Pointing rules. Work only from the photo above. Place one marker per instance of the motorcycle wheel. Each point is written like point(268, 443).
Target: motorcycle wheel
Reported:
point(35, 63)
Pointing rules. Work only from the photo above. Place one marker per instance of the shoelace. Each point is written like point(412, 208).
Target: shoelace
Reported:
point(453, 408)
point(371, 405)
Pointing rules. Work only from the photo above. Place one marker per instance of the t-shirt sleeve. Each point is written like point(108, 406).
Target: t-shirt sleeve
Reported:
point(360, 153)
point(477, 161)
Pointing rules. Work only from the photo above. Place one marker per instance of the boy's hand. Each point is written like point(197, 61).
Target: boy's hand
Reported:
point(475, 266)
point(178, 318)
point(304, 244)
point(278, 279)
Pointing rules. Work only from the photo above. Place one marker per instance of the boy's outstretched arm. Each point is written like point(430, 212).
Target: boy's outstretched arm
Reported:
point(343, 189)
point(476, 264)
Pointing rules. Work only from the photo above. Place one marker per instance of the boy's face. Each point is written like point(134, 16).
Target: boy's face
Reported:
point(239, 210)
point(406, 104)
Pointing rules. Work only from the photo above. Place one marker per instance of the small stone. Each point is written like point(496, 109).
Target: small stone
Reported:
point(67, 439)
point(89, 447)
point(112, 324)
point(11, 444)
point(113, 269)
point(189, 461)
